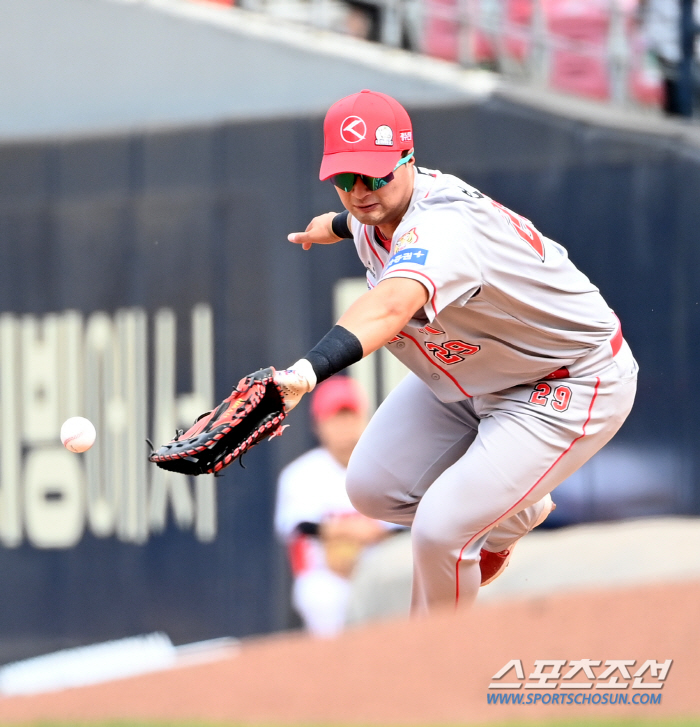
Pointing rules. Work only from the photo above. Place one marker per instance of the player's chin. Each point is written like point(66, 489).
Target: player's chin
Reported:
point(371, 215)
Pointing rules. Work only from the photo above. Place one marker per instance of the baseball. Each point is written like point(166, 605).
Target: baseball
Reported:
point(78, 434)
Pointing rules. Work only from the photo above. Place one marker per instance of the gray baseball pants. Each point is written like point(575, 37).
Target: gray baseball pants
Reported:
point(471, 474)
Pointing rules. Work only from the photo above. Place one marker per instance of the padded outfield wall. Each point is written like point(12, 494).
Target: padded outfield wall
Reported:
point(114, 250)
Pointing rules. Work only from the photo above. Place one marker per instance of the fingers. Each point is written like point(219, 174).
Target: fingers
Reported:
point(319, 232)
point(300, 238)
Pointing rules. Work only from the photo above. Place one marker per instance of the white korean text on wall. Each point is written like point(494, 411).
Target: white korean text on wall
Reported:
point(65, 364)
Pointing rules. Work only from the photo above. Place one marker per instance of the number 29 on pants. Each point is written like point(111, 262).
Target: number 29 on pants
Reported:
point(559, 397)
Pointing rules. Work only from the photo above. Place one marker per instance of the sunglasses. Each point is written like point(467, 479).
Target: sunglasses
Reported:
point(346, 180)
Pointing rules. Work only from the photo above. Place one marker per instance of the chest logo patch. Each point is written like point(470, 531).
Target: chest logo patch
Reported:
point(414, 255)
point(407, 239)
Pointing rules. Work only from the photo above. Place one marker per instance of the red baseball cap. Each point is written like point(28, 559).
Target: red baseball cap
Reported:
point(365, 133)
point(336, 394)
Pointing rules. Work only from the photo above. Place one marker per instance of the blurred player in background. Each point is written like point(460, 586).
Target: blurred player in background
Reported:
point(324, 534)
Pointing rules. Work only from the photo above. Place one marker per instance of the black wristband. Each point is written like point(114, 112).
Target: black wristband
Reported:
point(340, 226)
point(338, 349)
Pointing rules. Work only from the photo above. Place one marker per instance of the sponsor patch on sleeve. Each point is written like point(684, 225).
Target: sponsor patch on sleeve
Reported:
point(415, 255)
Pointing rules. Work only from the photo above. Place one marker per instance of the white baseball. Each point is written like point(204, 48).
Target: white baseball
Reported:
point(78, 434)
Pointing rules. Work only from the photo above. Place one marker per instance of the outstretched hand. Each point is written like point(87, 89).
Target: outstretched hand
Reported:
point(318, 232)
point(294, 382)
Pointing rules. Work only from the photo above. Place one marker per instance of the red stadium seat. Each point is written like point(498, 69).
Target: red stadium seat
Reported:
point(578, 31)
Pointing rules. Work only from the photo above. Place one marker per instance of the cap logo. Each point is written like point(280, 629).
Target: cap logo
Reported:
point(405, 135)
point(384, 136)
point(353, 129)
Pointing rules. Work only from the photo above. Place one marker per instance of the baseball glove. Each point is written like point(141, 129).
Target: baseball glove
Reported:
point(253, 412)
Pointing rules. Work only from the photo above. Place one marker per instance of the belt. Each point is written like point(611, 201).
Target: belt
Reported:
point(615, 344)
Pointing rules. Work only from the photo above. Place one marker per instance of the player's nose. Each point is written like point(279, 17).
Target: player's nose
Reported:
point(360, 189)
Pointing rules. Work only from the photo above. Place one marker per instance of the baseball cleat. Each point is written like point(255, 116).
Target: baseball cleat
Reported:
point(493, 564)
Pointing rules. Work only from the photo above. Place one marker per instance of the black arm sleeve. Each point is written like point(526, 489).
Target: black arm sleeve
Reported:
point(340, 226)
point(338, 349)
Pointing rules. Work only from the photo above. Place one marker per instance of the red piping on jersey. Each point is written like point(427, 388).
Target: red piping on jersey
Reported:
point(556, 461)
point(433, 298)
point(616, 340)
point(371, 247)
point(449, 376)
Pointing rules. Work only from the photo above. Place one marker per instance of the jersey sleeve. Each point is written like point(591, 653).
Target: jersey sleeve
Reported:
point(354, 226)
point(438, 251)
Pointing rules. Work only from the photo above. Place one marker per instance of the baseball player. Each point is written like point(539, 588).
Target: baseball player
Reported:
point(519, 369)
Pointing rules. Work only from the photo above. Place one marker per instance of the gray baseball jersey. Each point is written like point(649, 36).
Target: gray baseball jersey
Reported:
point(506, 304)
point(521, 375)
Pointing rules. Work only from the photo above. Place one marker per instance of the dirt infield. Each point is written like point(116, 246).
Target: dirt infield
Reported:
point(432, 671)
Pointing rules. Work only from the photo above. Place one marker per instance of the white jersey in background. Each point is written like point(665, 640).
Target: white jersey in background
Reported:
point(310, 489)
